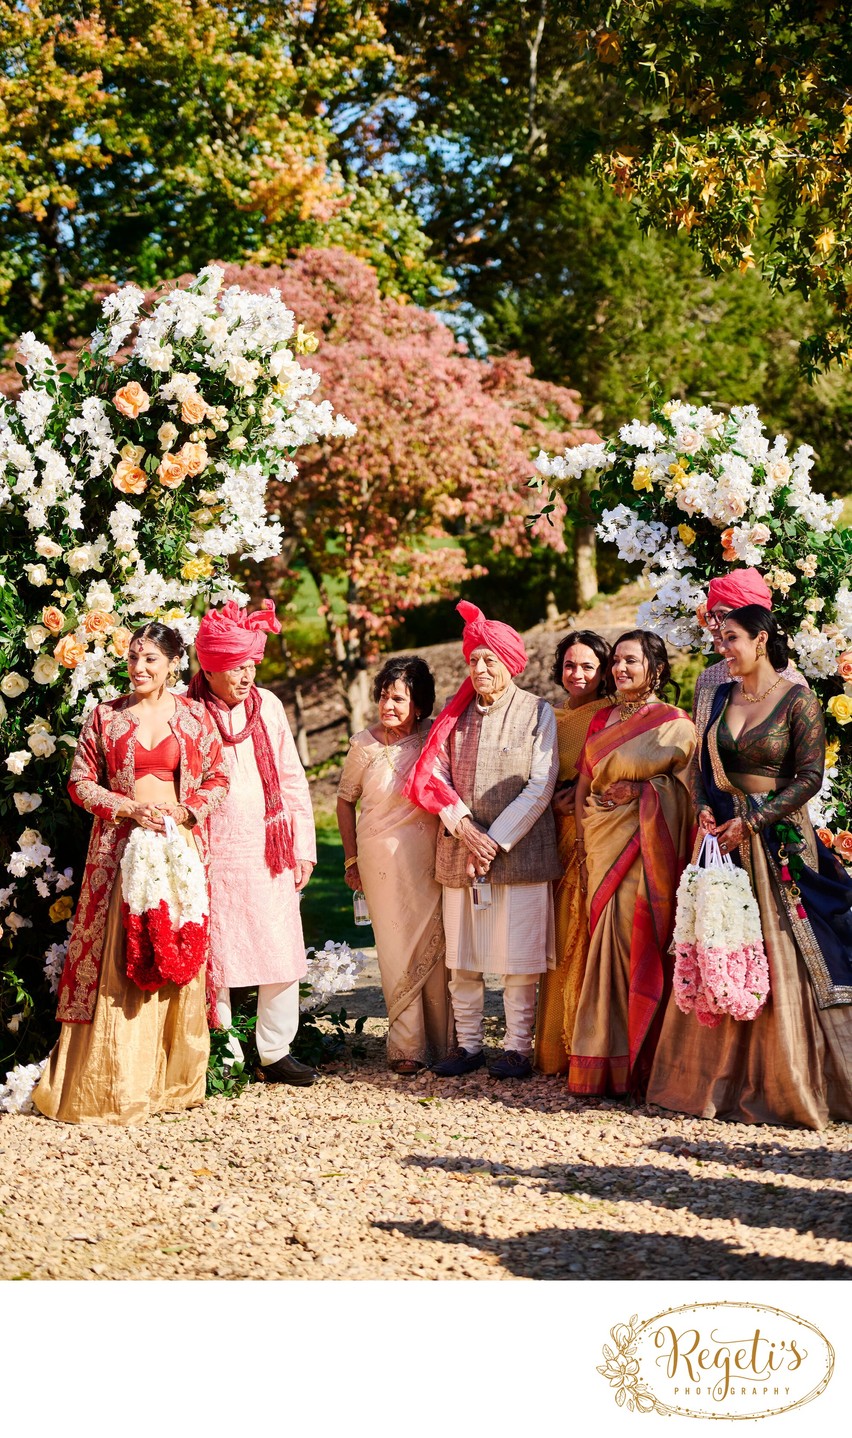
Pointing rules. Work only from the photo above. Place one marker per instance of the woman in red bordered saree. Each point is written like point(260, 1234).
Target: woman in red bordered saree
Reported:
point(635, 826)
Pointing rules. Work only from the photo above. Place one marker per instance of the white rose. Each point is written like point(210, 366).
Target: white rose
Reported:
point(238, 442)
point(29, 839)
point(133, 453)
point(13, 684)
point(779, 471)
point(167, 434)
point(79, 560)
point(759, 534)
point(35, 636)
point(18, 760)
point(42, 744)
point(100, 596)
point(689, 441)
point(48, 548)
point(2, 711)
point(14, 1023)
point(26, 803)
point(43, 724)
point(45, 669)
point(241, 371)
point(37, 574)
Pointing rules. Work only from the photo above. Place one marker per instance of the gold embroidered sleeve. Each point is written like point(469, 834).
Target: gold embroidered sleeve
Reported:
point(807, 740)
point(214, 776)
point(87, 782)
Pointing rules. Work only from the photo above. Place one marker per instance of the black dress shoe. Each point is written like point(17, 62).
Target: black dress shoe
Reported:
point(286, 1070)
point(461, 1062)
point(511, 1065)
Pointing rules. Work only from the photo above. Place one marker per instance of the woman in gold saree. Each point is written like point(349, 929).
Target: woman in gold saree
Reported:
point(390, 855)
point(761, 759)
point(634, 826)
point(580, 667)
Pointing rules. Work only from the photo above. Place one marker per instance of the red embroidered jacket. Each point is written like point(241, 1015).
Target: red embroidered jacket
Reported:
point(102, 776)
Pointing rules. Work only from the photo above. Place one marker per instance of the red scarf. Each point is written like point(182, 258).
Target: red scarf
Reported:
point(279, 839)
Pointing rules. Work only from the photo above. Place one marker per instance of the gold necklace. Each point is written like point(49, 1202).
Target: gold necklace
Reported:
point(628, 707)
point(388, 756)
point(759, 698)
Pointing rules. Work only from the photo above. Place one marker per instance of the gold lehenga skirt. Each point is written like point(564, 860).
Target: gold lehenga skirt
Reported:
point(143, 1053)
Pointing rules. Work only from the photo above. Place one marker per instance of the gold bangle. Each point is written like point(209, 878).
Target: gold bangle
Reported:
point(347, 863)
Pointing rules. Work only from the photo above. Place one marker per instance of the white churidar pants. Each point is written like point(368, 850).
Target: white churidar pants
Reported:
point(468, 995)
point(277, 1020)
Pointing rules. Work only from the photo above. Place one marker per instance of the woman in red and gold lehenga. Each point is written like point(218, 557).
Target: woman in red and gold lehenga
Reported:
point(634, 828)
point(124, 1053)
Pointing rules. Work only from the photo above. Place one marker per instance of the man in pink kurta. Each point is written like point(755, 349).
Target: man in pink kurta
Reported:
point(263, 845)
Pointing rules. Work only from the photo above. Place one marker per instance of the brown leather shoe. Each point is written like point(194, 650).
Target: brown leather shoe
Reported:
point(286, 1070)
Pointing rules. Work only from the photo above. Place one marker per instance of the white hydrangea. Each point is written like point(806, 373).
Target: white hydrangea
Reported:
point(574, 462)
point(816, 652)
point(642, 436)
point(54, 960)
point(16, 1094)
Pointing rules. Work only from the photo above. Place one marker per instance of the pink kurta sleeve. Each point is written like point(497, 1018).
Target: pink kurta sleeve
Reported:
point(294, 787)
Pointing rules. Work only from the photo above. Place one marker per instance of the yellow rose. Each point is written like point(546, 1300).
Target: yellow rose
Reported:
point(62, 909)
point(198, 568)
point(69, 651)
point(840, 708)
point(133, 453)
point(642, 478)
point(304, 342)
point(686, 534)
point(131, 400)
point(832, 753)
point(170, 471)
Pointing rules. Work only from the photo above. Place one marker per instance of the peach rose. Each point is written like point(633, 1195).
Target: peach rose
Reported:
point(98, 623)
point(193, 457)
point(53, 619)
point(119, 641)
point(701, 615)
point(826, 836)
point(129, 478)
point(132, 400)
point(193, 410)
point(728, 554)
point(69, 651)
point(170, 471)
point(843, 845)
point(844, 665)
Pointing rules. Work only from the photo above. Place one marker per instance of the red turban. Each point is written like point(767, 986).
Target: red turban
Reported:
point(738, 588)
point(501, 639)
point(231, 636)
point(423, 787)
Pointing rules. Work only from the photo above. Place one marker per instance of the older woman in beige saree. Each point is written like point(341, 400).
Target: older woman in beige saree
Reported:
point(390, 854)
point(634, 822)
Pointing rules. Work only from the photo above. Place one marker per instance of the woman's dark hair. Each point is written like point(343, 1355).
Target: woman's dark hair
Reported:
point(753, 618)
point(166, 639)
point(656, 658)
point(417, 678)
point(599, 648)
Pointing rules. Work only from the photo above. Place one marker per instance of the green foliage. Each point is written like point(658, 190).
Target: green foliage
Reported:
point(225, 1074)
point(317, 1046)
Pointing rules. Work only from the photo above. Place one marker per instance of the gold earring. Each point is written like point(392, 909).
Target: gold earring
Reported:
point(173, 675)
point(760, 653)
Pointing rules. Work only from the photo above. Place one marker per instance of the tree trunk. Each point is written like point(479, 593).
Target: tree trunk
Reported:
point(357, 694)
point(585, 565)
point(301, 735)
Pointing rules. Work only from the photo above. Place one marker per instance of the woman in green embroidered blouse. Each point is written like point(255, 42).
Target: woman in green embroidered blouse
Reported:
point(761, 759)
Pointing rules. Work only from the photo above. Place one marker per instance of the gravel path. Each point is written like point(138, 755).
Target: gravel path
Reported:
point(366, 1175)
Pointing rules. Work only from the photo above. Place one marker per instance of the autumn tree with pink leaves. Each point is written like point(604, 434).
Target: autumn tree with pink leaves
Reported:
point(442, 453)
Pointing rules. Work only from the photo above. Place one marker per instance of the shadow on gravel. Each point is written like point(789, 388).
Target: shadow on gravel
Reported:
point(823, 1212)
point(773, 1157)
point(603, 1254)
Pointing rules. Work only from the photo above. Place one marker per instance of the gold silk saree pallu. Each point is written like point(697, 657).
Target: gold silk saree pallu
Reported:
point(635, 855)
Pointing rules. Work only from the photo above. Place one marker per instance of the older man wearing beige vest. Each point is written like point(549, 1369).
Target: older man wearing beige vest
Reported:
point(489, 769)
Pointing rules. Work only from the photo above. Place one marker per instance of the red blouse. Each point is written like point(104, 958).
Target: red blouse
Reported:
point(161, 762)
